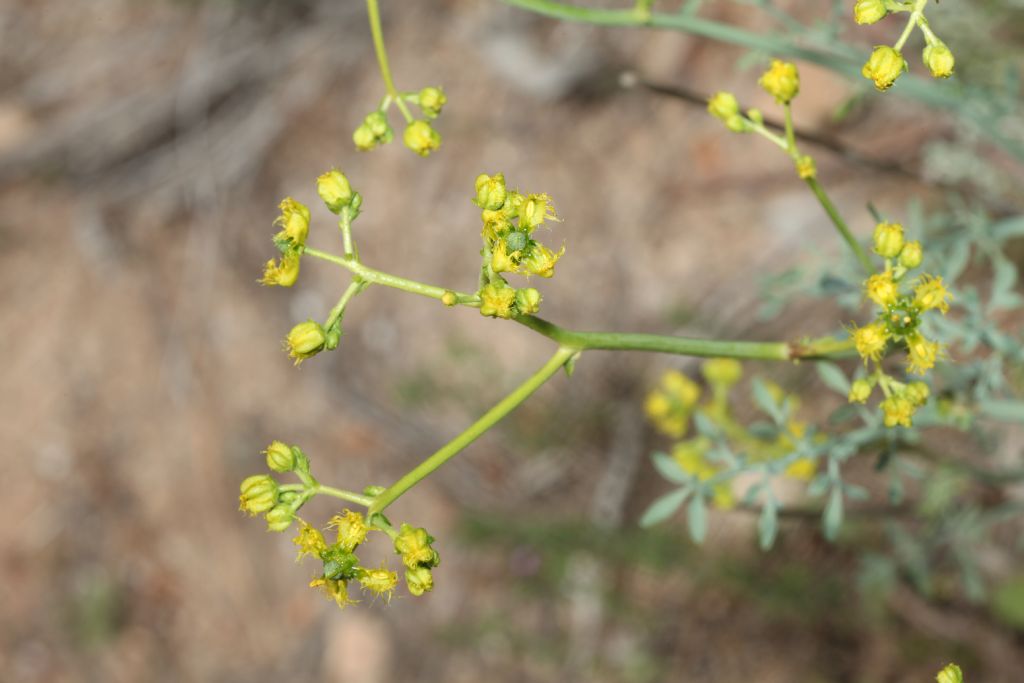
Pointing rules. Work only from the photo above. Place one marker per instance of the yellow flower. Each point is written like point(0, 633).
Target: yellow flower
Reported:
point(490, 191)
point(898, 411)
point(421, 138)
point(497, 301)
point(305, 340)
point(930, 293)
point(284, 273)
point(379, 581)
point(939, 59)
point(781, 81)
point(888, 239)
point(884, 66)
point(294, 221)
point(802, 469)
point(869, 11)
point(806, 168)
point(431, 101)
point(691, 458)
point(502, 261)
point(351, 527)
point(722, 372)
point(870, 341)
point(310, 541)
point(336, 589)
point(541, 260)
point(922, 353)
point(881, 289)
point(860, 391)
point(535, 209)
point(917, 393)
point(911, 255)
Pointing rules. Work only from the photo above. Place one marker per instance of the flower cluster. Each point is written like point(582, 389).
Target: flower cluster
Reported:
point(419, 135)
point(898, 321)
point(509, 221)
point(309, 338)
point(671, 407)
point(279, 503)
point(781, 81)
point(886, 62)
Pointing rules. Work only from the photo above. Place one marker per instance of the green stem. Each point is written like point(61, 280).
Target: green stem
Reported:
point(790, 133)
point(377, 277)
point(837, 220)
point(488, 420)
point(912, 20)
point(354, 288)
point(358, 499)
point(382, 57)
point(827, 347)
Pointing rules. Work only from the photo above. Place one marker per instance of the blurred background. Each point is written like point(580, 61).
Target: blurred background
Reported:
point(144, 147)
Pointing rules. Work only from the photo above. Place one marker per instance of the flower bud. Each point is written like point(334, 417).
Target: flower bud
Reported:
point(280, 457)
point(490, 191)
point(279, 518)
point(881, 288)
point(738, 124)
point(723, 106)
point(897, 410)
point(722, 372)
point(294, 221)
point(950, 674)
point(364, 138)
point(884, 66)
point(917, 393)
point(449, 298)
point(333, 187)
point(378, 124)
point(527, 301)
point(419, 580)
point(888, 239)
point(421, 138)
point(756, 116)
point(860, 391)
point(869, 11)
point(781, 81)
point(414, 545)
point(259, 494)
point(870, 341)
point(911, 255)
point(431, 101)
point(305, 341)
point(939, 59)
point(284, 272)
point(352, 529)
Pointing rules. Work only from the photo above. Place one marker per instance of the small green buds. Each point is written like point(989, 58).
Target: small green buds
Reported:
point(280, 457)
point(939, 59)
point(375, 130)
point(334, 188)
point(431, 101)
point(528, 301)
point(884, 66)
point(280, 517)
point(419, 580)
point(305, 341)
point(258, 494)
point(421, 138)
point(781, 81)
point(911, 255)
point(888, 239)
point(869, 11)
point(950, 674)
point(490, 191)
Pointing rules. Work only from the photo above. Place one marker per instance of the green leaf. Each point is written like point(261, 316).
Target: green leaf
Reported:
point(768, 524)
point(669, 469)
point(834, 378)
point(1004, 411)
point(832, 516)
point(664, 507)
point(696, 519)
point(765, 401)
point(1007, 602)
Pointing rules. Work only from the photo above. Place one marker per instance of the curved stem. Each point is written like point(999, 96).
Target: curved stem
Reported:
point(382, 57)
point(350, 496)
point(488, 420)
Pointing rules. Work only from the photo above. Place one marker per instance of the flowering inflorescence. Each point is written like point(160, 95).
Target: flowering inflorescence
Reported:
point(900, 305)
point(510, 220)
point(419, 135)
point(672, 405)
point(782, 82)
point(886, 62)
point(279, 504)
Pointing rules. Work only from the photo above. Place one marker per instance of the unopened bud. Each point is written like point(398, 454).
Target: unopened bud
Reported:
point(419, 580)
point(280, 457)
point(527, 301)
point(334, 188)
point(888, 239)
point(884, 66)
point(781, 81)
point(939, 59)
point(911, 255)
point(431, 101)
point(421, 138)
point(490, 191)
point(869, 11)
point(305, 341)
point(280, 517)
point(860, 391)
point(258, 494)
